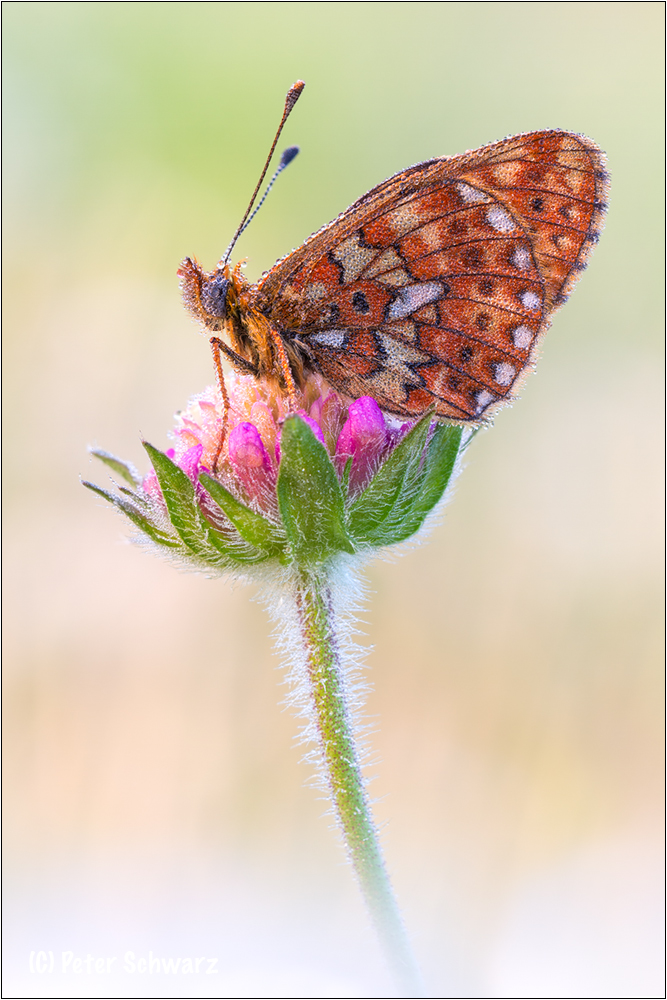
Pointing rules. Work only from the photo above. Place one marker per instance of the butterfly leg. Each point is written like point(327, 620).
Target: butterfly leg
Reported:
point(219, 347)
point(285, 366)
point(216, 346)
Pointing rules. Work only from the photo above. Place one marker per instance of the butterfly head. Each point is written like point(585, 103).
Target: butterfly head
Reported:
point(212, 297)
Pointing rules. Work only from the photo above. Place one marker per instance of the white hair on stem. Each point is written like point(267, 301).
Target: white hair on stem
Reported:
point(347, 595)
point(315, 611)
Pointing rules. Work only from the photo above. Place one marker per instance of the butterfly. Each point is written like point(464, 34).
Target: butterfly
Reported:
point(432, 291)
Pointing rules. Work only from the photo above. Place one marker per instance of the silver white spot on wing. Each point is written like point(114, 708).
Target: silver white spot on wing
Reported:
point(531, 300)
point(329, 338)
point(470, 194)
point(522, 337)
point(499, 219)
point(483, 399)
point(413, 297)
point(504, 373)
point(521, 258)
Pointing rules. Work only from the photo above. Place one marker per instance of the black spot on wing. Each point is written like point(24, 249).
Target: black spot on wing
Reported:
point(360, 302)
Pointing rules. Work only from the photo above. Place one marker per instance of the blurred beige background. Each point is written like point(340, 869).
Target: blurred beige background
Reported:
point(154, 799)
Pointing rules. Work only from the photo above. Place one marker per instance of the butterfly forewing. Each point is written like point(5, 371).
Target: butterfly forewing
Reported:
point(434, 288)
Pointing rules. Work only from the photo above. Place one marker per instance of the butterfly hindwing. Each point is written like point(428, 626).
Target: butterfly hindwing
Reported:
point(434, 288)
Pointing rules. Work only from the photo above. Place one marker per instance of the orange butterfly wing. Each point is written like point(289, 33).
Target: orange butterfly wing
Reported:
point(436, 286)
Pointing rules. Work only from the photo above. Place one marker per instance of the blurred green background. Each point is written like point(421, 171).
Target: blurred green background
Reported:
point(154, 797)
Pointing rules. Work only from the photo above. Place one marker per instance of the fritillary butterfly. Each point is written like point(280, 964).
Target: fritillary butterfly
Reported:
point(433, 290)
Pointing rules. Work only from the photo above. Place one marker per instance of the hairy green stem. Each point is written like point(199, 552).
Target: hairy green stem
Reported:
point(344, 777)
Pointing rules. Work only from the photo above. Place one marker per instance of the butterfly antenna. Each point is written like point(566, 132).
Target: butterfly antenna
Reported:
point(293, 95)
point(286, 158)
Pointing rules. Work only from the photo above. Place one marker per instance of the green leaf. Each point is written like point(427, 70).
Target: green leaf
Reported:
point(407, 486)
point(210, 545)
point(393, 487)
point(309, 495)
point(441, 458)
point(433, 480)
point(252, 527)
point(139, 498)
point(179, 496)
point(345, 480)
point(235, 551)
point(117, 465)
point(137, 517)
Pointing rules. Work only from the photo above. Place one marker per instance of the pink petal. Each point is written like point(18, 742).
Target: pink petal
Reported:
point(364, 437)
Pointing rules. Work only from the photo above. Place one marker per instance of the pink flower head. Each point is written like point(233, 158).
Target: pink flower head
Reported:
point(190, 462)
point(364, 438)
point(238, 456)
point(250, 454)
point(250, 460)
point(270, 477)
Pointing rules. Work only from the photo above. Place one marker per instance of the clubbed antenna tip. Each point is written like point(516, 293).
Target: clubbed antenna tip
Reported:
point(293, 95)
point(286, 158)
point(288, 155)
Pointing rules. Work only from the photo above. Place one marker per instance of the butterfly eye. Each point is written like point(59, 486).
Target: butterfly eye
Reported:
point(214, 297)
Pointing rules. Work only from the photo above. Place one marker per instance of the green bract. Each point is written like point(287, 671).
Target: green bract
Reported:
point(315, 516)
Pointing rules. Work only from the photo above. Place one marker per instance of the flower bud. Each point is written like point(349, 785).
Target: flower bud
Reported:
point(363, 438)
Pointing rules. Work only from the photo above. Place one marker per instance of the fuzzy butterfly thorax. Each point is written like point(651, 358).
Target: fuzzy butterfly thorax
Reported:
point(223, 301)
point(433, 290)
